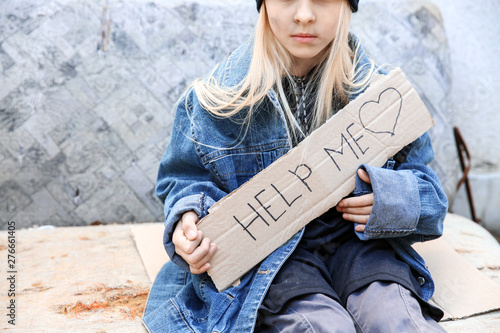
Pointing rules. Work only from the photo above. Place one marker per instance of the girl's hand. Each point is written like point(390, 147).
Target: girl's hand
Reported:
point(190, 245)
point(357, 209)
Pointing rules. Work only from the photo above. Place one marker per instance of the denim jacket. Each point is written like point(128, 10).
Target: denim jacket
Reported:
point(208, 157)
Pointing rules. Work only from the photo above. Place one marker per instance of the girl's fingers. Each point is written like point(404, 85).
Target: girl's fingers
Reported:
point(182, 243)
point(198, 260)
point(203, 269)
point(191, 246)
point(187, 246)
point(357, 210)
point(364, 176)
point(360, 228)
point(178, 237)
point(363, 219)
point(189, 220)
point(191, 255)
point(200, 263)
point(199, 253)
point(361, 201)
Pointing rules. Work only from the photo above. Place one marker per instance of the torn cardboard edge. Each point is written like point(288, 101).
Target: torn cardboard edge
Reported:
point(148, 238)
point(261, 215)
point(461, 290)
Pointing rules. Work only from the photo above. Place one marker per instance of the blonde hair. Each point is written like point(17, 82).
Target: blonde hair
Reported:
point(337, 76)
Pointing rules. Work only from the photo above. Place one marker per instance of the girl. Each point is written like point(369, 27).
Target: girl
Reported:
point(351, 269)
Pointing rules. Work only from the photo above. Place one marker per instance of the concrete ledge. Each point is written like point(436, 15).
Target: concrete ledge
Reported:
point(76, 279)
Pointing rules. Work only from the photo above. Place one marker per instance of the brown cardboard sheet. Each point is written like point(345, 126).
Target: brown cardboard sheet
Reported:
point(257, 218)
point(461, 290)
point(148, 239)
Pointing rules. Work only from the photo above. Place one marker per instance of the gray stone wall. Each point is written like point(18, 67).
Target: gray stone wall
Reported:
point(474, 39)
point(86, 96)
point(87, 90)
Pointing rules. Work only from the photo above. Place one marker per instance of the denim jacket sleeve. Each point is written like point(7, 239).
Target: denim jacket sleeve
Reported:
point(408, 200)
point(183, 182)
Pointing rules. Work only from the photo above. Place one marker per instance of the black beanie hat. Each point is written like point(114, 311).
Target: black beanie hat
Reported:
point(353, 3)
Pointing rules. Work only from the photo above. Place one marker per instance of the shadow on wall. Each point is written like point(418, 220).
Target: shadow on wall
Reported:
point(87, 91)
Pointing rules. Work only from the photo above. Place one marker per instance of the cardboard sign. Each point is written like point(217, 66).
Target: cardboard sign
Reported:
point(461, 290)
point(260, 216)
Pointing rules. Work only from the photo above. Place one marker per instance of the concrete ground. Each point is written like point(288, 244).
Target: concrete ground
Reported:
point(80, 279)
point(95, 279)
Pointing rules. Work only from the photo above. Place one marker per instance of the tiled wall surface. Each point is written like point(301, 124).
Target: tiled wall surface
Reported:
point(87, 90)
point(86, 96)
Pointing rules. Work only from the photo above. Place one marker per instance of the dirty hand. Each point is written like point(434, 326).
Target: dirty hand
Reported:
point(357, 209)
point(190, 245)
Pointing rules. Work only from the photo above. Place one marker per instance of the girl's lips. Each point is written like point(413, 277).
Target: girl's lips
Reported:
point(304, 38)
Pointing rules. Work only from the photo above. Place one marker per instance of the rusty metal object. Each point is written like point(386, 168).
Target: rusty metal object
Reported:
point(464, 156)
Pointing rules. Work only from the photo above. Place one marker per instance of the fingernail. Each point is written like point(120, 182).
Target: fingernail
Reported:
point(191, 234)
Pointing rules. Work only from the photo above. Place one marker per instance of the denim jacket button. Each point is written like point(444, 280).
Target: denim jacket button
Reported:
point(421, 280)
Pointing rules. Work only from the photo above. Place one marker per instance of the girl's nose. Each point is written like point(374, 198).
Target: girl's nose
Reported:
point(304, 12)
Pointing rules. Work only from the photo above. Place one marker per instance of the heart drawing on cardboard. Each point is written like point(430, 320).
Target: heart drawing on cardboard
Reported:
point(391, 99)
